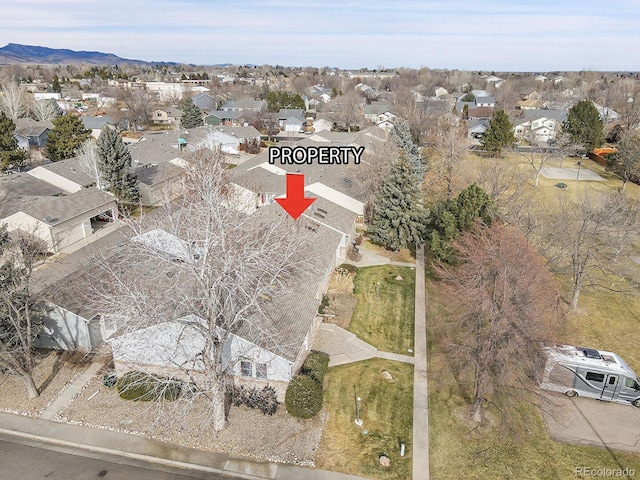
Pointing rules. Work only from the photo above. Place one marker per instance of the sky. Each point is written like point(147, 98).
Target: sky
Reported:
point(485, 35)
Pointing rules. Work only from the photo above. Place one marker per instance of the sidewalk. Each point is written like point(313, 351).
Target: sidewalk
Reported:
point(420, 390)
point(153, 451)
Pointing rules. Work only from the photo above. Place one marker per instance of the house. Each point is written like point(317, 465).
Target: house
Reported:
point(230, 118)
point(159, 183)
point(70, 175)
point(321, 124)
point(476, 128)
point(480, 113)
point(529, 101)
point(607, 114)
point(243, 106)
point(540, 78)
point(374, 110)
point(32, 133)
point(166, 116)
point(440, 91)
point(205, 102)
point(486, 101)
point(62, 221)
point(495, 81)
point(291, 119)
point(96, 124)
point(538, 126)
point(229, 139)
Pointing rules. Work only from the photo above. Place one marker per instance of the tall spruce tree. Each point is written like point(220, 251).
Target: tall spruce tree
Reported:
point(584, 125)
point(399, 217)
point(499, 134)
point(66, 137)
point(401, 135)
point(114, 164)
point(10, 155)
point(191, 115)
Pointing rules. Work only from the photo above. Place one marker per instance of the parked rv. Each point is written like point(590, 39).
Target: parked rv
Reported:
point(590, 373)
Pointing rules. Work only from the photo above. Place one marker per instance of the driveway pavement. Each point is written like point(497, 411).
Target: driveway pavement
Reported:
point(585, 421)
point(570, 174)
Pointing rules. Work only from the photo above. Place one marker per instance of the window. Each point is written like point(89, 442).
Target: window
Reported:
point(245, 368)
point(595, 377)
point(631, 383)
point(261, 370)
point(612, 380)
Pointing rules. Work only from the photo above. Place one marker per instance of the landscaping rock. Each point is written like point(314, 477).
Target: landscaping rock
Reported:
point(386, 375)
point(384, 461)
point(399, 278)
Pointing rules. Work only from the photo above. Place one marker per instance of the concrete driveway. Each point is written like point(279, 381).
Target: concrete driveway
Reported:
point(570, 174)
point(585, 421)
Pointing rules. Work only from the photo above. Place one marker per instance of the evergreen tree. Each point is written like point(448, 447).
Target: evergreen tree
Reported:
point(277, 100)
point(451, 217)
point(399, 218)
point(10, 155)
point(55, 84)
point(67, 135)
point(584, 125)
point(114, 164)
point(191, 115)
point(401, 135)
point(499, 134)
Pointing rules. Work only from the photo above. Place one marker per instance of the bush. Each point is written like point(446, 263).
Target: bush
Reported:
point(316, 366)
point(323, 305)
point(304, 397)
point(141, 387)
point(264, 400)
point(109, 379)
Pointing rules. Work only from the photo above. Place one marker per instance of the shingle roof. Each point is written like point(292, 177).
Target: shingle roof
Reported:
point(73, 169)
point(62, 208)
point(28, 127)
point(19, 189)
point(97, 123)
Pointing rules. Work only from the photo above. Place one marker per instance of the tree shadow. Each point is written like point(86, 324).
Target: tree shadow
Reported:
point(55, 369)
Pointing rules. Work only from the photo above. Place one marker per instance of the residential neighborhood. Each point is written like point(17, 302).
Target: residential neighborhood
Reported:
point(458, 300)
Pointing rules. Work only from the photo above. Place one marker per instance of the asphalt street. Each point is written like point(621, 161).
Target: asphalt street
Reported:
point(30, 460)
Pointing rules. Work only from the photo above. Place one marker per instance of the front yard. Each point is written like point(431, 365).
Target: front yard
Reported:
point(386, 412)
point(385, 313)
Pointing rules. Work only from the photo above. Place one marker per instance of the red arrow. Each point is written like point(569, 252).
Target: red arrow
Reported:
point(294, 202)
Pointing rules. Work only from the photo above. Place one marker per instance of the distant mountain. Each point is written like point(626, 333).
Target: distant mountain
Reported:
point(15, 53)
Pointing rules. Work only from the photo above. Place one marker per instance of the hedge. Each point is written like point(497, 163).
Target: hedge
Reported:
point(139, 386)
point(316, 366)
point(304, 397)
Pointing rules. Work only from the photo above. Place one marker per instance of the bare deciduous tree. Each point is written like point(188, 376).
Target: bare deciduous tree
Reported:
point(506, 308)
point(88, 155)
point(538, 158)
point(211, 269)
point(20, 308)
point(587, 236)
point(43, 110)
point(13, 101)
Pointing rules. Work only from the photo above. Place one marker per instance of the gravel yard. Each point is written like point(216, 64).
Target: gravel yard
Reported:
point(249, 433)
point(53, 372)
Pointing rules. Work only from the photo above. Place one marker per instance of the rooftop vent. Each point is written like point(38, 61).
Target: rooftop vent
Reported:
point(590, 352)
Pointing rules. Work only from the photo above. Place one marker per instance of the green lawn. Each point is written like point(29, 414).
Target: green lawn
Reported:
point(386, 322)
point(386, 412)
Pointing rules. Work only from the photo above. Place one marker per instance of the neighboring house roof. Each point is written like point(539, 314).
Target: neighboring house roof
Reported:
point(156, 174)
point(204, 102)
point(97, 123)
point(154, 149)
point(170, 111)
point(222, 115)
point(241, 132)
point(286, 113)
point(250, 105)
point(376, 108)
point(557, 115)
point(20, 189)
point(481, 112)
point(28, 127)
point(74, 169)
point(485, 99)
point(89, 201)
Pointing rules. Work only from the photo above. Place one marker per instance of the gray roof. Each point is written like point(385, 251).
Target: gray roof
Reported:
point(154, 149)
point(204, 101)
point(155, 174)
point(240, 132)
point(97, 123)
point(251, 105)
point(72, 169)
point(222, 114)
point(89, 201)
point(485, 100)
point(376, 108)
point(19, 189)
point(557, 115)
point(28, 127)
point(286, 113)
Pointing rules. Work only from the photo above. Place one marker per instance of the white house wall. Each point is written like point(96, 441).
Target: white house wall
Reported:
point(64, 330)
point(237, 349)
point(52, 178)
point(26, 223)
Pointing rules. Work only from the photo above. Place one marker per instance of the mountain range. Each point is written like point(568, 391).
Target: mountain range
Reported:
point(14, 53)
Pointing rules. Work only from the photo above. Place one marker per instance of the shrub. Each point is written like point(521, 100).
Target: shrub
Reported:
point(109, 379)
point(139, 386)
point(323, 305)
point(264, 400)
point(304, 397)
point(316, 366)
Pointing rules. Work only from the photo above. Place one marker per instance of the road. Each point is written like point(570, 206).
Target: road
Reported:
point(30, 460)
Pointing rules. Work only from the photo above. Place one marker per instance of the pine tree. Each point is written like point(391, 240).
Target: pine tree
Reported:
point(66, 137)
point(399, 217)
point(191, 115)
point(499, 134)
point(55, 84)
point(401, 135)
point(114, 164)
point(10, 155)
point(584, 125)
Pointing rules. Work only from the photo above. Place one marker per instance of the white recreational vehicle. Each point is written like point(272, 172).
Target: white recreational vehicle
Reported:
point(590, 373)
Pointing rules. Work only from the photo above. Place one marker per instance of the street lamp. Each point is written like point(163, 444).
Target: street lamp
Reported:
point(358, 419)
point(578, 176)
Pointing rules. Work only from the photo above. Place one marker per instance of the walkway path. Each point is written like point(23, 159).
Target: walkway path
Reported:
point(344, 347)
point(65, 397)
point(420, 391)
point(369, 258)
